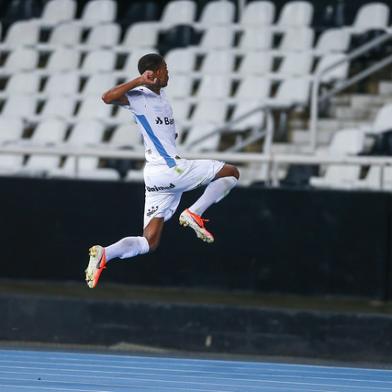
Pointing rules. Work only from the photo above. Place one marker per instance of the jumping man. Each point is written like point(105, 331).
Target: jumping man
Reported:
point(166, 175)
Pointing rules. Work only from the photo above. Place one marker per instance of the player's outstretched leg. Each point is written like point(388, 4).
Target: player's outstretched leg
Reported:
point(216, 190)
point(125, 248)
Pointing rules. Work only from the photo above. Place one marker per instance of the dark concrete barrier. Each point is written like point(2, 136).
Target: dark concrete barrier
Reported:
point(267, 240)
point(197, 327)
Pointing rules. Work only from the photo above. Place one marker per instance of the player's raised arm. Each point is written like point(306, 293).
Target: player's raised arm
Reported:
point(116, 95)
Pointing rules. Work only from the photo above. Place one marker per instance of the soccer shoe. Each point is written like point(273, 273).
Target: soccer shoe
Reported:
point(196, 222)
point(96, 265)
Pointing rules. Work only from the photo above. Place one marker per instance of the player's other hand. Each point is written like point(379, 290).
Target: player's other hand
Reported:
point(149, 78)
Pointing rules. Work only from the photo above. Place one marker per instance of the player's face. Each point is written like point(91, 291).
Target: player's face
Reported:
point(163, 75)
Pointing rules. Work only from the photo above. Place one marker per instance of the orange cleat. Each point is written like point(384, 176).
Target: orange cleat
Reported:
point(96, 265)
point(196, 222)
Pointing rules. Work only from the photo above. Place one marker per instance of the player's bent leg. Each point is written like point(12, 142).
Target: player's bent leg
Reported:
point(217, 189)
point(153, 232)
point(125, 248)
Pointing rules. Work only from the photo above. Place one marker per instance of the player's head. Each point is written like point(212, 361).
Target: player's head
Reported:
point(156, 63)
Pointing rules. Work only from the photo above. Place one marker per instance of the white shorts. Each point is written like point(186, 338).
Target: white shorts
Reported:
point(165, 185)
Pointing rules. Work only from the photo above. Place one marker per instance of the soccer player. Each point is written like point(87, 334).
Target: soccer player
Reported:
point(166, 175)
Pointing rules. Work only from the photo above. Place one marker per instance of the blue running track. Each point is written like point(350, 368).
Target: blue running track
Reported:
point(41, 371)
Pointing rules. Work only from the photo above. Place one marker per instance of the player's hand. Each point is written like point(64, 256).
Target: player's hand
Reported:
point(148, 78)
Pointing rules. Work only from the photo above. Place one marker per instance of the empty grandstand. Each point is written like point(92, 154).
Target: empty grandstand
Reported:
point(295, 83)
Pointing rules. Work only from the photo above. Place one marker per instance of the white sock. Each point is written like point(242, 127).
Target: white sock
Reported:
point(127, 247)
point(215, 192)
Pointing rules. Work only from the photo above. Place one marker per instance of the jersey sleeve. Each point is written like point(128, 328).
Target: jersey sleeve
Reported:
point(135, 99)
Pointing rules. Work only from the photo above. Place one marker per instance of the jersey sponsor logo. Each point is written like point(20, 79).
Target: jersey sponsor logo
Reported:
point(155, 188)
point(152, 210)
point(166, 120)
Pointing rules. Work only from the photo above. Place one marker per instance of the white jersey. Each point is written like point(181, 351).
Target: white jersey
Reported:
point(154, 117)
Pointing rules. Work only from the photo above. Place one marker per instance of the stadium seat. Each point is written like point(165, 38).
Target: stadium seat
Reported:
point(198, 131)
point(178, 12)
point(19, 106)
point(22, 83)
point(217, 37)
point(181, 110)
point(57, 11)
point(10, 164)
point(209, 111)
point(62, 59)
point(88, 168)
point(49, 131)
point(295, 14)
point(180, 61)
point(256, 63)
point(23, 33)
point(99, 61)
point(295, 40)
point(214, 87)
point(294, 64)
point(218, 12)
point(338, 73)
point(372, 16)
point(383, 120)
point(344, 142)
point(291, 93)
point(98, 11)
point(86, 132)
point(56, 106)
point(180, 86)
point(11, 129)
point(373, 179)
point(127, 135)
point(21, 59)
point(105, 35)
point(218, 62)
point(258, 14)
point(99, 83)
point(40, 164)
point(140, 35)
point(256, 39)
point(332, 41)
point(64, 83)
point(65, 34)
point(92, 107)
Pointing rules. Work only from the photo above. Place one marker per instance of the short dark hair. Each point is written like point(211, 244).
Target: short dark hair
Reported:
point(151, 61)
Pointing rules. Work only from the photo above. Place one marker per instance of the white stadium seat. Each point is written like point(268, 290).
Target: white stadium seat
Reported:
point(65, 83)
point(256, 39)
point(99, 83)
point(209, 111)
point(345, 142)
point(370, 16)
point(258, 14)
point(332, 41)
point(256, 63)
point(178, 12)
point(218, 62)
point(217, 37)
point(127, 135)
point(86, 132)
point(63, 59)
point(295, 14)
point(57, 11)
point(92, 107)
point(49, 131)
point(19, 106)
point(214, 87)
point(57, 106)
point(99, 61)
point(383, 120)
point(141, 35)
point(217, 12)
point(340, 72)
point(180, 61)
point(99, 11)
point(21, 33)
point(23, 83)
point(66, 34)
point(180, 86)
point(295, 64)
point(198, 131)
point(104, 35)
point(11, 129)
point(21, 59)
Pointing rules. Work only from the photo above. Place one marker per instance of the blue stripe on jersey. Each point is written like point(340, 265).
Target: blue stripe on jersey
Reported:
point(158, 145)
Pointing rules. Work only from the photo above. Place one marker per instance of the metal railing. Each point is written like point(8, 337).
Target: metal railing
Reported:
point(315, 100)
point(273, 161)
